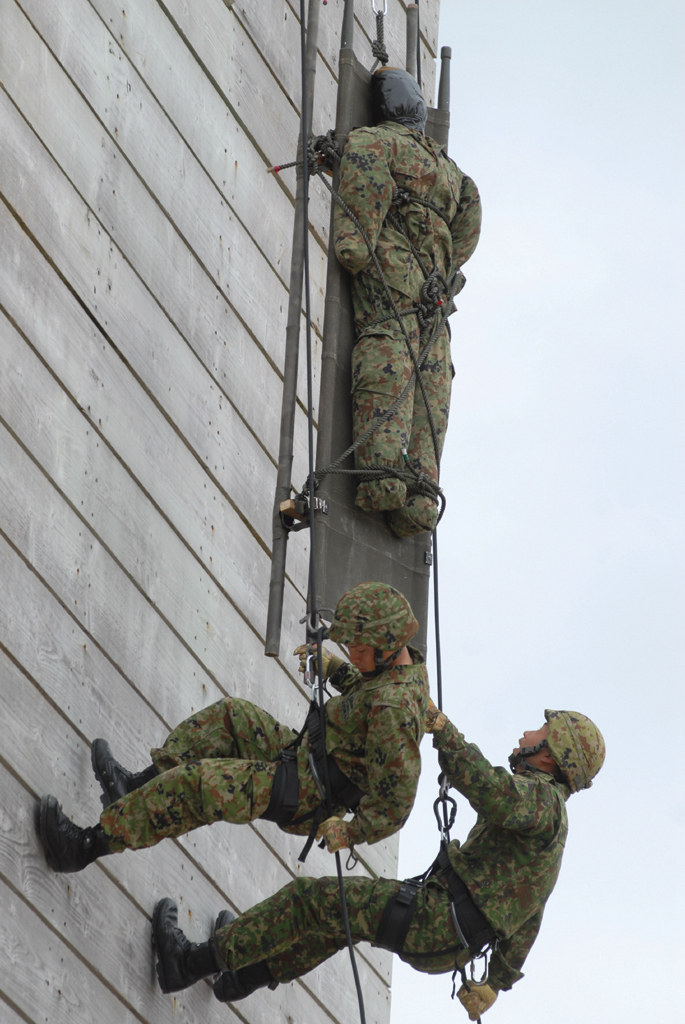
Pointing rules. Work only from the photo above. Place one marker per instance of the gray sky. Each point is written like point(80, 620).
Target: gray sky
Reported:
point(562, 545)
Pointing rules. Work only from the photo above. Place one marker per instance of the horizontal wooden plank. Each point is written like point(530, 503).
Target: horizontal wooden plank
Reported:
point(222, 337)
point(87, 580)
point(153, 873)
point(123, 104)
point(153, 455)
point(217, 138)
point(44, 978)
point(141, 333)
point(223, 48)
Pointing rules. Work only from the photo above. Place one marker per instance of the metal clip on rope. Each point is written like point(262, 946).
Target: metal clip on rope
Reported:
point(445, 809)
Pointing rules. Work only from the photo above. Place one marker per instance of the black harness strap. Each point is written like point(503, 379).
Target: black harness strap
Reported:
point(285, 792)
point(397, 916)
point(343, 789)
point(473, 929)
point(473, 924)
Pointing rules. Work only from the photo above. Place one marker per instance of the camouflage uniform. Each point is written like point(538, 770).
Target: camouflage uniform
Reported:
point(509, 862)
point(375, 162)
point(219, 765)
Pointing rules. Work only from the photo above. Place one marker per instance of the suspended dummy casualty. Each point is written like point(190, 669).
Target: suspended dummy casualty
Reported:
point(387, 176)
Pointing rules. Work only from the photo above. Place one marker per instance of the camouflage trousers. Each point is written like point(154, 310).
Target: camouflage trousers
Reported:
point(218, 765)
point(381, 369)
point(301, 926)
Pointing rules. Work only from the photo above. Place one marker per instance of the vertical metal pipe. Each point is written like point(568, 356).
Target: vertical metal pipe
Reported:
point(444, 88)
point(347, 31)
point(418, 46)
point(292, 348)
point(412, 38)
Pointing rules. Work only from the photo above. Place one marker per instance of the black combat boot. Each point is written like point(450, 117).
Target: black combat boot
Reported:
point(68, 847)
point(180, 963)
point(116, 781)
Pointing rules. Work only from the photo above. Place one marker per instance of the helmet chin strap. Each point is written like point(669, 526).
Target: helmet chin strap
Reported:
point(383, 663)
point(380, 662)
point(520, 758)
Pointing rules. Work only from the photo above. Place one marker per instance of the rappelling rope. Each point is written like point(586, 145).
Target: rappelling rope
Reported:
point(314, 622)
point(378, 44)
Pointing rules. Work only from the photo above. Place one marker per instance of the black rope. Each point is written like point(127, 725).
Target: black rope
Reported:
point(378, 44)
point(436, 617)
point(315, 620)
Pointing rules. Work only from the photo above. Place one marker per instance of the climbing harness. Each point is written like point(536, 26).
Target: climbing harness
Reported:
point(474, 932)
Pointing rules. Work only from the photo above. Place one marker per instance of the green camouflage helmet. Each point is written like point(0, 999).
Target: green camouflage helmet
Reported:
point(374, 614)
point(577, 746)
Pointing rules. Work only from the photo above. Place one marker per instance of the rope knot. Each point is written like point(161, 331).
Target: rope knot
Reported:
point(323, 152)
point(378, 44)
point(432, 292)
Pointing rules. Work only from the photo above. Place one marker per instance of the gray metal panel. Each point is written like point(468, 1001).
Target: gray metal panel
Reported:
point(351, 545)
point(438, 126)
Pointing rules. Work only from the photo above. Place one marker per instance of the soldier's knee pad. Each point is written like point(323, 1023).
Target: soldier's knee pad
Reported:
point(381, 495)
point(419, 515)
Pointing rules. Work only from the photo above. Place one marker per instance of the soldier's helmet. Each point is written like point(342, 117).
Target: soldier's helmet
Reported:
point(577, 746)
point(396, 96)
point(373, 614)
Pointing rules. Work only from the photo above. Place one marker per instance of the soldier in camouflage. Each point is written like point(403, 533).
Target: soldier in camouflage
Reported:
point(385, 172)
point(224, 763)
point(493, 888)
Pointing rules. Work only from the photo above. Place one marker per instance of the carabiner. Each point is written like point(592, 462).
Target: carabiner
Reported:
point(310, 670)
point(378, 11)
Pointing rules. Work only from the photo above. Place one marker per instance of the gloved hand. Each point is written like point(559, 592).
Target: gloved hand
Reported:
point(329, 662)
point(435, 720)
point(478, 1000)
point(334, 831)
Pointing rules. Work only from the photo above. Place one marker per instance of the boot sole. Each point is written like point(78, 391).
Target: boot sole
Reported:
point(47, 808)
point(160, 908)
point(106, 798)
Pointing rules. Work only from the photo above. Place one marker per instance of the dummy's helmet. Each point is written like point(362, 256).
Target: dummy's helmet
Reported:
point(373, 614)
point(396, 96)
point(577, 746)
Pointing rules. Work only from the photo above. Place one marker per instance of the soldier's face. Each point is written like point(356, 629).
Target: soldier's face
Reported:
point(361, 656)
point(531, 739)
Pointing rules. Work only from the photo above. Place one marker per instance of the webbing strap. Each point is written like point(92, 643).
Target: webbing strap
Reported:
point(343, 790)
point(397, 916)
point(285, 792)
point(470, 922)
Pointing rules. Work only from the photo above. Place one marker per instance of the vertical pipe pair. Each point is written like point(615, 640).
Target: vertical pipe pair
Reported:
point(413, 57)
point(292, 350)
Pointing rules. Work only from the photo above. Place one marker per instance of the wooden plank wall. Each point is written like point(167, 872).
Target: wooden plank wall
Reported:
point(143, 296)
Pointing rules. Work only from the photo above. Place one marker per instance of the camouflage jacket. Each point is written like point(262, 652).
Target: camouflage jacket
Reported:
point(373, 730)
point(375, 162)
point(512, 856)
